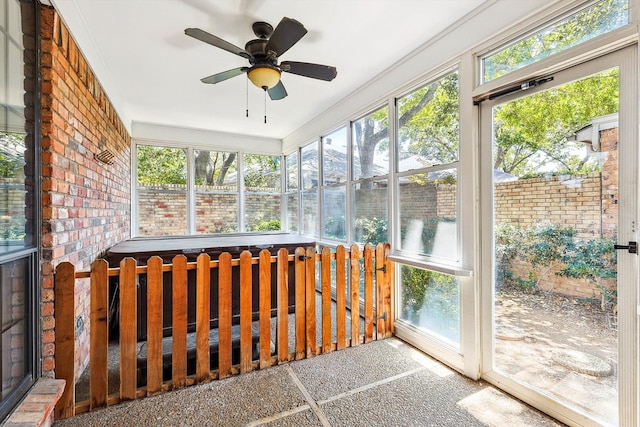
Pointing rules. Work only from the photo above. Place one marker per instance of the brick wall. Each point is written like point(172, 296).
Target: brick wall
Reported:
point(162, 212)
point(562, 200)
point(85, 203)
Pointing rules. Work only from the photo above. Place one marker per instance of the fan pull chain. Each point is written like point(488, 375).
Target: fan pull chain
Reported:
point(247, 95)
point(265, 105)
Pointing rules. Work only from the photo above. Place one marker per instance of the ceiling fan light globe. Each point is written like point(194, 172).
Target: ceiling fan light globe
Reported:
point(264, 77)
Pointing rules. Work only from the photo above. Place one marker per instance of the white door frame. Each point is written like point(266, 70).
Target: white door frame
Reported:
point(628, 278)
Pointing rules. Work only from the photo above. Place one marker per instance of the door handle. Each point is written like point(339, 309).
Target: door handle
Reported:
point(632, 247)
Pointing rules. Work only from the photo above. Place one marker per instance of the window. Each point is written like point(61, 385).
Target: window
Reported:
point(427, 165)
point(216, 187)
point(291, 191)
point(309, 191)
point(186, 191)
point(370, 165)
point(334, 185)
point(262, 184)
point(431, 302)
point(162, 190)
point(19, 155)
point(600, 18)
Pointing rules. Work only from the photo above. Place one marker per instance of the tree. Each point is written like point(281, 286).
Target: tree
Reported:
point(427, 123)
point(533, 130)
point(261, 171)
point(212, 167)
point(161, 165)
point(11, 154)
point(600, 18)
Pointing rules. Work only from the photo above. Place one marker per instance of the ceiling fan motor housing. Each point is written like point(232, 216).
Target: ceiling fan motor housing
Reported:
point(262, 30)
point(257, 49)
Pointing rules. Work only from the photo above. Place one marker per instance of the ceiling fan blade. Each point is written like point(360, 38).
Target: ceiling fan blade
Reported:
point(286, 34)
point(217, 78)
point(203, 36)
point(315, 71)
point(277, 92)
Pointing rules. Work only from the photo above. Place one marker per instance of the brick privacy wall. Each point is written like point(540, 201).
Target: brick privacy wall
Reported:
point(85, 203)
point(165, 213)
point(12, 207)
point(563, 200)
point(609, 147)
point(418, 201)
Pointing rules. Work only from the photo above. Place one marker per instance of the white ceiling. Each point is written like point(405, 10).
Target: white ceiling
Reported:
point(151, 70)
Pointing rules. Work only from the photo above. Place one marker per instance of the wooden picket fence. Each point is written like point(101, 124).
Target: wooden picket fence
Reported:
point(350, 269)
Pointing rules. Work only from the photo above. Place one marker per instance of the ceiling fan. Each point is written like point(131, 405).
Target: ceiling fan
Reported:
point(263, 54)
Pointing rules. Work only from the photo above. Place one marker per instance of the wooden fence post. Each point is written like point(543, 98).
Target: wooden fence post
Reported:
point(154, 325)
point(99, 340)
point(341, 302)
point(310, 301)
point(380, 313)
point(389, 290)
point(128, 329)
point(203, 311)
point(355, 295)
point(282, 296)
point(265, 308)
point(179, 283)
point(224, 315)
point(64, 290)
point(246, 283)
point(368, 293)
point(301, 304)
point(325, 279)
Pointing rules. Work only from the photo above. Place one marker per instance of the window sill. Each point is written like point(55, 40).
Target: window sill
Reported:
point(450, 269)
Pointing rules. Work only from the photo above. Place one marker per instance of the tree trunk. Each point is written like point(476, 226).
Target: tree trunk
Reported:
point(225, 168)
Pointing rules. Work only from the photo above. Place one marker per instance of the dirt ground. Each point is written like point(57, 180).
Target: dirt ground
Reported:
point(537, 329)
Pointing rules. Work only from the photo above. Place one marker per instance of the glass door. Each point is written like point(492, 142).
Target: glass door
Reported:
point(560, 175)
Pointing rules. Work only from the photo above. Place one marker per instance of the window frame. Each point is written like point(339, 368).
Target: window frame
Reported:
point(31, 252)
point(191, 190)
point(427, 261)
point(329, 187)
point(539, 27)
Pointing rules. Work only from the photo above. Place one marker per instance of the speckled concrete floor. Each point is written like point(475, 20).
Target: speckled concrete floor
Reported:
point(384, 383)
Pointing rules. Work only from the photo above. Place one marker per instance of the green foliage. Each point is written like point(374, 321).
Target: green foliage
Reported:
point(11, 154)
point(531, 132)
point(594, 260)
point(508, 239)
point(334, 227)
point(546, 244)
point(432, 132)
point(14, 233)
point(601, 18)
point(10, 166)
point(371, 230)
point(271, 225)
point(161, 165)
point(542, 246)
point(549, 247)
point(261, 171)
point(428, 290)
